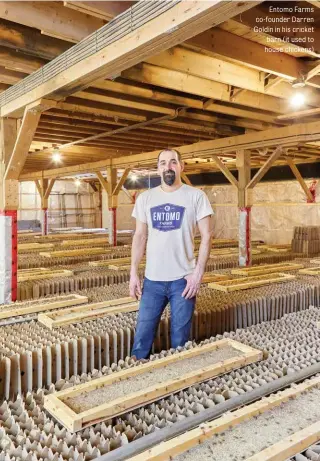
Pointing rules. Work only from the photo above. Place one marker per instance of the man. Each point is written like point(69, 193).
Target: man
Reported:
point(166, 218)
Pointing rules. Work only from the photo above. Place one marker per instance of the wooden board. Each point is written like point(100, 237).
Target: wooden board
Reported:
point(209, 277)
point(114, 262)
point(54, 403)
point(290, 446)
point(246, 283)
point(34, 308)
point(315, 261)
point(79, 252)
point(310, 271)
point(85, 242)
point(44, 274)
point(25, 247)
point(266, 269)
point(87, 312)
point(125, 267)
point(175, 446)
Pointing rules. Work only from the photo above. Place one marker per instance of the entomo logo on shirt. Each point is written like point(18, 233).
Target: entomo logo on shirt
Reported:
point(167, 217)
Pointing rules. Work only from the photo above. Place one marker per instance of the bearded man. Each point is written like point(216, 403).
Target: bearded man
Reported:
point(166, 220)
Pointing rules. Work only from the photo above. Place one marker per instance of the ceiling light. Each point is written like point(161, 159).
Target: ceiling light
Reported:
point(133, 177)
point(297, 100)
point(56, 157)
point(298, 82)
point(77, 182)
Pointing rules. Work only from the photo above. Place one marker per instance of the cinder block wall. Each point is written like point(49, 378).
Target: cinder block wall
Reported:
point(278, 207)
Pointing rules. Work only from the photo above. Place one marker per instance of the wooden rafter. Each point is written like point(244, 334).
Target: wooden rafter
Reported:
point(148, 39)
point(51, 18)
point(299, 178)
point(121, 181)
point(225, 170)
point(284, 136)
point(263, 170)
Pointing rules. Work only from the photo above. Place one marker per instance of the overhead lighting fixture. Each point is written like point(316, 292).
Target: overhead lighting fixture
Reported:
point(133, 177)
point(77, 182)
point(56, 157)
point(298, 100)
point(299, 82)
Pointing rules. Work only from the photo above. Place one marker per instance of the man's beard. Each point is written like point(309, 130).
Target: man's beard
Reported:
point(169, 177)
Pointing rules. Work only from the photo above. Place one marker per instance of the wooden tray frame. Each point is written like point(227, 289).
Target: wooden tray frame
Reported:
point(74, 422)
point(87, 312)
point(78, 252)
point(290, 446)
point(44, 274)
point(246, 283)
point(266, 269)
point(177, 445)
point(33, 309)
point(310, 271)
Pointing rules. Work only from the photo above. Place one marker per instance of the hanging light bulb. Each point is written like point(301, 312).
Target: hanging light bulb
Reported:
point(56, 156)
point(297, 100)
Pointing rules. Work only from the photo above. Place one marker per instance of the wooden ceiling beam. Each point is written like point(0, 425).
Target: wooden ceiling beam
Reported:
point(284, 136)
point(188, 83)
point(199, 65)
point(17, 61)
point(51, 18)
point(169, 139)
point(182, 21)
point(30, 41)
point(93, 94)
point(10, 77)
point(78, 105)
point(193, 63)
point(131, 89)
point(102, 10)
point(246, 52)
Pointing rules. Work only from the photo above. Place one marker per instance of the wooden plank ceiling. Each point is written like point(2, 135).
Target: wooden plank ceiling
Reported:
point(217, 84)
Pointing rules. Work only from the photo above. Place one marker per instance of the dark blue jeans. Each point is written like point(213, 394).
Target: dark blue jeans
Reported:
point(155, 297)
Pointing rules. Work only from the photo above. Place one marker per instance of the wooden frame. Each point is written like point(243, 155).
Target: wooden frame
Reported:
point(315, 261)
point(267, 269)
point(25, 247)
point(85, 242)
point(34, 308)
point(54, 403)
point(289, 446)
point(173, 447)
point(88, 312)
point(44, 274)
point(79, 252)
point(310, 271)
point(250, 282)
point(209, 277)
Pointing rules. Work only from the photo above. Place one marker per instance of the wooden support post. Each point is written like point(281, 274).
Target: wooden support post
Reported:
point(44, 188)
point(111, 186)
point(112, 204)
point(300, 180)
point(9, 196)
point(243, 163)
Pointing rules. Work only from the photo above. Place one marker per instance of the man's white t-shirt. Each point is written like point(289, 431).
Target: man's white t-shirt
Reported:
point(171, 218)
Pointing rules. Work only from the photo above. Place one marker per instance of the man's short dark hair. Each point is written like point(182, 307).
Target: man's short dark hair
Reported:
point(170, 150)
